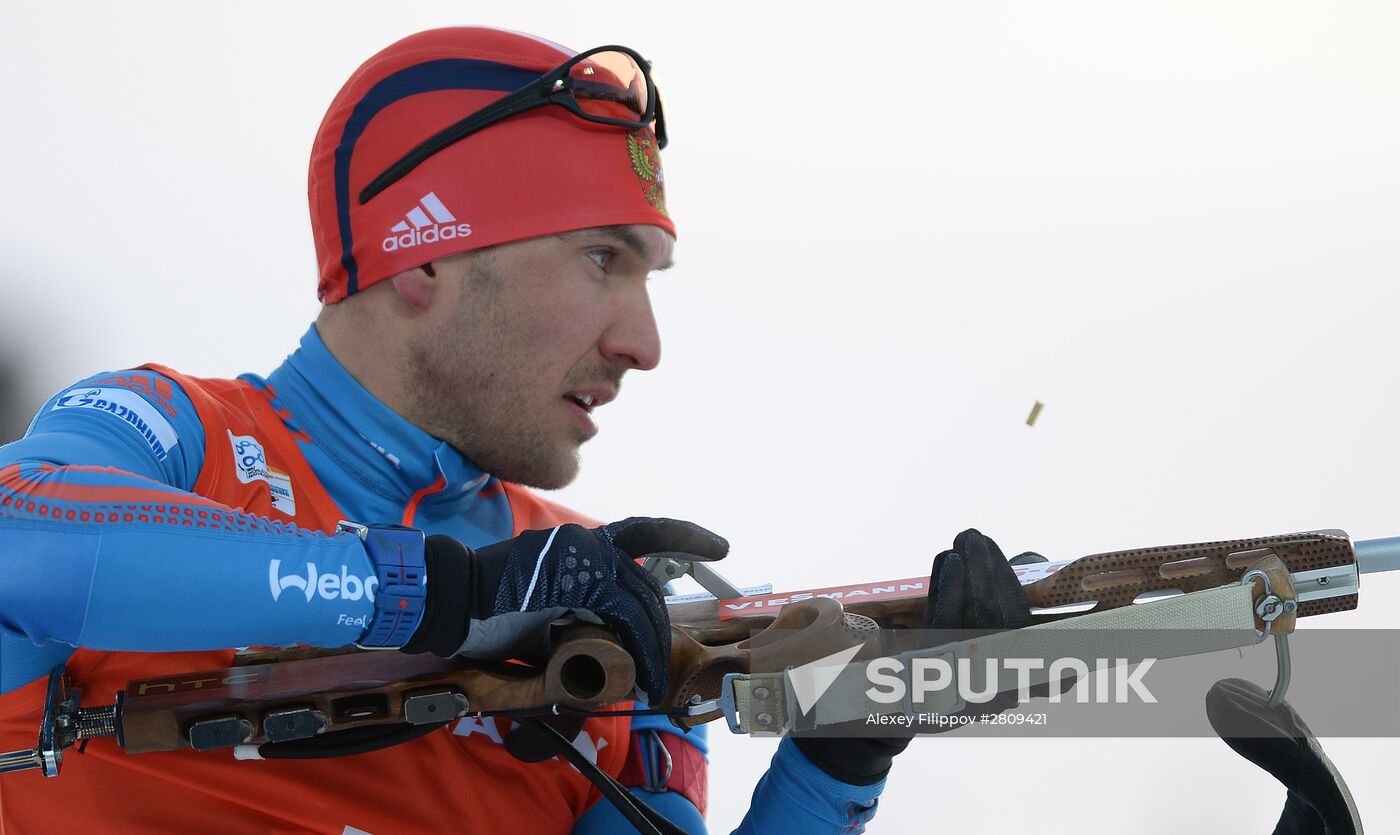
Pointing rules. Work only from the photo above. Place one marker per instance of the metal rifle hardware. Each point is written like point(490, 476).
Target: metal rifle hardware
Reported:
point(63, 724)
point(289, 694)
point(1277, 605)
point(664, 568)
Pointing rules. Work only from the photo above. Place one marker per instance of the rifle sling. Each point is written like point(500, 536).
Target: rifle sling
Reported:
point(646, 819)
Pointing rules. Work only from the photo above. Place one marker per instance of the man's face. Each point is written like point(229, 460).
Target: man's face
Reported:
point(525, 340)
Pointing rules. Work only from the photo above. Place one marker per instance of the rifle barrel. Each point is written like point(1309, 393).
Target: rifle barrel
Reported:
point(1374, 555)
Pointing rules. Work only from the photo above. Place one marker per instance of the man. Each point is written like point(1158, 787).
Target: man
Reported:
point(487, 207)
point(483, 264)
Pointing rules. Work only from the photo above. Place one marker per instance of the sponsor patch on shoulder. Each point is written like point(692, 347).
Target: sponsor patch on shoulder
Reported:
point(250, 462)
point(154, 388)
point(128, 406)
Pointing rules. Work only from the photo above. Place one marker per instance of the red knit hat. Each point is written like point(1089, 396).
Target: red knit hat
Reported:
point(538, 173)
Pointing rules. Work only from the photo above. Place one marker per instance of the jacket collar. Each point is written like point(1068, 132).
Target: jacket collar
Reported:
point(369, 441)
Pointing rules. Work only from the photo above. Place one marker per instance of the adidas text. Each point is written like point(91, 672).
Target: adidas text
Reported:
point(428, 222)
point(431, 234)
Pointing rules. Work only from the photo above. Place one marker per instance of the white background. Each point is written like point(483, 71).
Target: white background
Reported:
point(1176, 224)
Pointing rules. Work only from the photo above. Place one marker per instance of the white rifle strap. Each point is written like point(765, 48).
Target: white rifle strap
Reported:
point(1188, 624)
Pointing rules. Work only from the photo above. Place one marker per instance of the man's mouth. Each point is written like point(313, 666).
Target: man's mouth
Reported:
point(585, 400)
point(592, 397)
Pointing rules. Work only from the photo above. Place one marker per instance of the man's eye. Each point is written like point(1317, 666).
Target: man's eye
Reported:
point(601, 257)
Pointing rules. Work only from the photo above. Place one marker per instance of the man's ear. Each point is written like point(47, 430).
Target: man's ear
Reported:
point(416, 286)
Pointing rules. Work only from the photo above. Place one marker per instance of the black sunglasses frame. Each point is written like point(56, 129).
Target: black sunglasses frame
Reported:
point(554, 87)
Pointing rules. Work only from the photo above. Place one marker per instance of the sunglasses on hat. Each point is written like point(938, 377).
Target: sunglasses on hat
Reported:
point(610, 85)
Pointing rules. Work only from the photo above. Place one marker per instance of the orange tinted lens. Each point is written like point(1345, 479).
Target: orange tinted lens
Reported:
point(611, 85)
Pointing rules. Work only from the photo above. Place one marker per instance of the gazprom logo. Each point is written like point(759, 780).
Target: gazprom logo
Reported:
point(328, 586)
point(130, 407)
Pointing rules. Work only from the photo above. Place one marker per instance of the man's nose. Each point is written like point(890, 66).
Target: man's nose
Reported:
point(633, 339)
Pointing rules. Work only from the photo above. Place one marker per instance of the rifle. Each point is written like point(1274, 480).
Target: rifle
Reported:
point(294, 694)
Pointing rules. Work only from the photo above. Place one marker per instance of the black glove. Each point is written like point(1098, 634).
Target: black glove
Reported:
point(972, 586)
point(498, 602)
point(1276, 740)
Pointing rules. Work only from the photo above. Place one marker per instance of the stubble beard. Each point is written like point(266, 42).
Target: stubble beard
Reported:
point(465, 390)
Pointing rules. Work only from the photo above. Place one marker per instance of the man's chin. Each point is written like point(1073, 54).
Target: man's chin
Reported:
point(545, 472)
point(531, 459)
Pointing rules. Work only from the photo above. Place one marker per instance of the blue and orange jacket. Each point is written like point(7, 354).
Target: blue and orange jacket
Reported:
point(145, 520)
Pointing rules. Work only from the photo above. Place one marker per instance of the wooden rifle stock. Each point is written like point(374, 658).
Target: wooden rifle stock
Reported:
point(323, 691)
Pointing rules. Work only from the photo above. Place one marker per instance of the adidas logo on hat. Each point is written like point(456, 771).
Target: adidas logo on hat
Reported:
point(426, 223)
